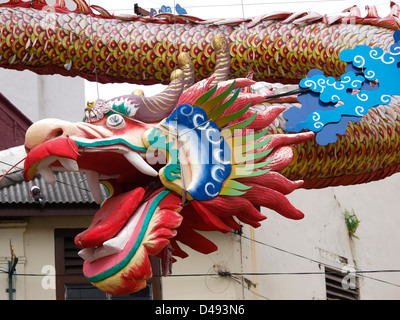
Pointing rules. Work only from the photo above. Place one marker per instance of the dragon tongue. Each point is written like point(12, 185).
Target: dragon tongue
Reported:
point(109, 220)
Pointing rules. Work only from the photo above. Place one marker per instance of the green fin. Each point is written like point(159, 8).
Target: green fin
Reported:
point(223, 121)
point(215, 113)
point(256, 136)
point(231, 192)
point(205, 96)
point(242, 124)
point(212, 103)
point(236, 185)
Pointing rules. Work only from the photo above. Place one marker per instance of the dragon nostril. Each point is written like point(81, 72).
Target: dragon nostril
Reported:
point(55, 133)
point(48, 129)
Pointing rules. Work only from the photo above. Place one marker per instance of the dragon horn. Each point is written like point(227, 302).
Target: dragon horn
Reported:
point(156, 108)
point(186, 65)
point(223, 62)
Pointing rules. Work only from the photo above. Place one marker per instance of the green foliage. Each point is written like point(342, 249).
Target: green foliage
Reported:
point(352, 222)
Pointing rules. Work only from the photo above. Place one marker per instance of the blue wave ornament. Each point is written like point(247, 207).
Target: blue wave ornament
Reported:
point(330, 104)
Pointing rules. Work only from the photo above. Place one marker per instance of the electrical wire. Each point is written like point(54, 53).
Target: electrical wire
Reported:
point(227, 273)
point(12, 167)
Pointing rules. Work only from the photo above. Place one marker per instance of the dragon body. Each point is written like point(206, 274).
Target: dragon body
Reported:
point(280, 47)
point(201, 154)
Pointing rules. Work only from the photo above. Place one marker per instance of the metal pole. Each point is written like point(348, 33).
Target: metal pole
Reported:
point(11, 269)
point(10, 283)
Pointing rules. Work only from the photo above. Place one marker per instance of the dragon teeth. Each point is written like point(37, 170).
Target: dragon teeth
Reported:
point(139, 163)
point(92, 254)
point(47, 175)
point(45, 171)
point(92, 178)
point(69, 164)
point(87, 254)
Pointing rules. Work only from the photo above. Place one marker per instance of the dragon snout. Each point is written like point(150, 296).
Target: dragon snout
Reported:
point(48, 129)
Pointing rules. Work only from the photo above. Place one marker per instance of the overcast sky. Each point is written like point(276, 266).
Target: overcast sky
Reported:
point(207, 9)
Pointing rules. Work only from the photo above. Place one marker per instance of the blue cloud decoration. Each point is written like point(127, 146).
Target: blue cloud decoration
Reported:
point(329, 104)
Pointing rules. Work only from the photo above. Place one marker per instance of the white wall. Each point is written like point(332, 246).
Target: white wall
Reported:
point(44, 96)
point(321, 238)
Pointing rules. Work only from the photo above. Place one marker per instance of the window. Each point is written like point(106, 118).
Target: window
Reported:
point(71, 284)
point(89, 292)
point(338, 287)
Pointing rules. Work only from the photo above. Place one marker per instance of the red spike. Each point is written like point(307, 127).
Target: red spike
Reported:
point(231, 223)
point(288, 139)
point(395, 9)
point(354, 11)
point(224, 207)
point(372, 12)
point(103, 12)
point(273, 180)
point(16, 3)
point(177, 250)
point(274, 200)
point(239, 83)
point(191, 219)
point(281, 158)
point(209, 217)
point(242, 101)
point(195, 241)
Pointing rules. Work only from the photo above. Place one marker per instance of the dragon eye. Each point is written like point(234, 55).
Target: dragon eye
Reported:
point(116, 121)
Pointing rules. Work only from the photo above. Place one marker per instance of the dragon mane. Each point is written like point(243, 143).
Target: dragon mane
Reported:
point(257, 182)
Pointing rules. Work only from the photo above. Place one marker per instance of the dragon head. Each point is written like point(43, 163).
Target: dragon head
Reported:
point(194, 157)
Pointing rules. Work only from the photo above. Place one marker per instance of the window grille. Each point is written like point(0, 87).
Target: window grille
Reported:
point(338, 288)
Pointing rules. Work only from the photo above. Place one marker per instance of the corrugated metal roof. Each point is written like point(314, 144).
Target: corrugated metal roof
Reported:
point(71, 187)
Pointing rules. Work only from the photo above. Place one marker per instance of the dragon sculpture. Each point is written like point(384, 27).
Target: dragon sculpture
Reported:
point(202, 154)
